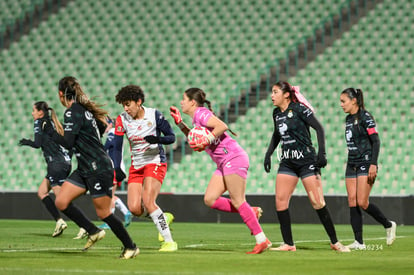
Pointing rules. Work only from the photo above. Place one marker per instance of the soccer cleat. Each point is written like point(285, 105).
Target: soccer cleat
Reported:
point(356, 246)
point(340, 247)
point(284, 247)
point(81, 235)
point(92, 239)
point(391, 233)
point(169, 218)
point(128, 253)
point(104, 226)
point(168, 247)
point(60, 226)
point(260, 247)
point(258, 211)
point(128, 219)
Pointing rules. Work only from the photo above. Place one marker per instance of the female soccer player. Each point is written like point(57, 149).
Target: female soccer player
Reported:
point(57, 159)
point(117, 182)
point(292, 118)
point(232, 163)
point(361, 171)
point(143, 127)
point(84, 123)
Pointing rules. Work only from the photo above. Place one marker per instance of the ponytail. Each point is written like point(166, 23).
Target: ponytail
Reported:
point(72, 90)
point(56, 121)
point(200, 97)
point(357, 94)
point(360, 98)
point(43, 106)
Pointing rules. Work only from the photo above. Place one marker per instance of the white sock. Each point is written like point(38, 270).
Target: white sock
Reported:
point(121, 206)
point(158, 218)
point(261, 237)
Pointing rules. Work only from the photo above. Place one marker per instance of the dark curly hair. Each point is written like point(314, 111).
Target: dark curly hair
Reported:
point(130, 92)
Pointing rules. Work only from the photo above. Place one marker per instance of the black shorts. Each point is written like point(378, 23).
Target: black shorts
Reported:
point(354, 170)
point(99, 185)
point(57, 173)
point(302, 168)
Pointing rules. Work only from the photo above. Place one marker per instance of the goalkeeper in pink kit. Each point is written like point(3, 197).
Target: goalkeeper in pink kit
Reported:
point(232, 164)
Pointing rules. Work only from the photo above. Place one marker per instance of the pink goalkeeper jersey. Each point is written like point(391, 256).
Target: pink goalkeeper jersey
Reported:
point(224, 147)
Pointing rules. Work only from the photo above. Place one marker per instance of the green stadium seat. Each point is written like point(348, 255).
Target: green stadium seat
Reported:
point(228, 43)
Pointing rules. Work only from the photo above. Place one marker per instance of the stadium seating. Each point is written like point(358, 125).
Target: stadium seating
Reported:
point(355, 60)
point(169, 46)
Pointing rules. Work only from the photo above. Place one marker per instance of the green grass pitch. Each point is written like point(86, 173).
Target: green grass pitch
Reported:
point(26, 247)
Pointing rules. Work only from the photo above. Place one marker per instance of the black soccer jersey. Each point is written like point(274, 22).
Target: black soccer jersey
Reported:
point(88, 148)
point(52, 152)
point(358, 127)
point(292, 126)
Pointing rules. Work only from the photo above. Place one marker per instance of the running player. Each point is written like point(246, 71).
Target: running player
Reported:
point(292, 118)
point(232, 163)
point(118, 179)
point(84, 123)
point(143, 127)
point(57, 159)
point(361, 171)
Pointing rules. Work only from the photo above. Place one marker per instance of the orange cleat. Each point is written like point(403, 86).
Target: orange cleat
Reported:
point(260, 247)
point(257, 211)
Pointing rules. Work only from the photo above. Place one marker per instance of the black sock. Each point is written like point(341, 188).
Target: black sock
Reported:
point(119, 230)
point(51, 207)
point(76, 215)
point(326, 220)
point(356, 223)
point(376, 213)
point(285, 226)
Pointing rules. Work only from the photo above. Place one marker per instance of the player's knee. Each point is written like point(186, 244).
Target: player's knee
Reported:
point(363, 204)
point(41, 195)
point(237, 203)
point(61, 204)
point(102, 214)
point(151, 206)
point(281, 204)
point(136, 210)
point(209, 201)
point(352, 201)
point(317, 203)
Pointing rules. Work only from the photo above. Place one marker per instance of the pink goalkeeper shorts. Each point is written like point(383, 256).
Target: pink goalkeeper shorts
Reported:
point(238, 165)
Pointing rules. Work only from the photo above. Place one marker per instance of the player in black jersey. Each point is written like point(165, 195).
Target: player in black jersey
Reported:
point(118, 180)
point(84, 123)
point(292, 119)
point(363, 149)
point(57, 159)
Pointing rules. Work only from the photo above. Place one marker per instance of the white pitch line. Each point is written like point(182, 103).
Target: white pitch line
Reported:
point(112, 249)
point(81, 271)
point(303, 241)
point(63, 249)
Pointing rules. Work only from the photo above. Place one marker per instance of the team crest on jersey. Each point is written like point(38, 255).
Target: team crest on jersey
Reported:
point(149, 124)
point(290, 114)
point(139, 127)
point(88, 115)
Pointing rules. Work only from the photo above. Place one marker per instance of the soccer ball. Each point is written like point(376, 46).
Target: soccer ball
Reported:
point(198, 133)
